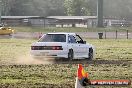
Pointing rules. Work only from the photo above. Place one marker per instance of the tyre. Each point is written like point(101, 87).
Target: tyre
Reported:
point(90, 54)
point(70, 54)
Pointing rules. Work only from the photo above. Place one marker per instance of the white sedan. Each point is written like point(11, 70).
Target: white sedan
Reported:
point(62, 45)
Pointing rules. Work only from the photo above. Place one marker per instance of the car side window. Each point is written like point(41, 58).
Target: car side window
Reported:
point(71, 39)
point(79, 39)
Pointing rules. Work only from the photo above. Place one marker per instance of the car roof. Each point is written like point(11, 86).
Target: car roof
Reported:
point(62, 33)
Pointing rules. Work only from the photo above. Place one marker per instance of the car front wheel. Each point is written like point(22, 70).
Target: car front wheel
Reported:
point(90, 54)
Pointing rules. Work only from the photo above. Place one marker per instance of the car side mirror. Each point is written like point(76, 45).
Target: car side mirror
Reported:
point(84, 42)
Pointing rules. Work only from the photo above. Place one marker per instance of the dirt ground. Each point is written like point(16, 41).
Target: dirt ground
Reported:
point(94, 35)
point(28, 60)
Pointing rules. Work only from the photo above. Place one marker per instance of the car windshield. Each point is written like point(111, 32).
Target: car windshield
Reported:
point(53, 38)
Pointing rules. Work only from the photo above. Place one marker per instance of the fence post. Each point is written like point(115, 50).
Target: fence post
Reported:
point(116, 34)
point(105, 34)
point(127, 34)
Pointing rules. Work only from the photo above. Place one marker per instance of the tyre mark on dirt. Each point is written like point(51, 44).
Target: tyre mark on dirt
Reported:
point(94, 62)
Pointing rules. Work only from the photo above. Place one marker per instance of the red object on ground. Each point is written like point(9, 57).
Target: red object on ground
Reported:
point(84, 80)
point(81, 72)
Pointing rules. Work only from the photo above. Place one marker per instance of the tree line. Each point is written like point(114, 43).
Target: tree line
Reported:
point(112, 8)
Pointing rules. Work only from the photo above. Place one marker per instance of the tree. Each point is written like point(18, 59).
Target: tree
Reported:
point(18, 8)
point(35, 7)
point(118, 9)
point(56, 8)
point(76, 7)
point(112, 8)
point(68, 7)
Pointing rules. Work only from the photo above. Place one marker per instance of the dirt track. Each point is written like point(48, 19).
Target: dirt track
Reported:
point(95, 62)
point(94, 35)
point(30, 61)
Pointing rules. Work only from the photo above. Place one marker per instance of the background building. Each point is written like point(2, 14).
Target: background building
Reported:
point(62, 21)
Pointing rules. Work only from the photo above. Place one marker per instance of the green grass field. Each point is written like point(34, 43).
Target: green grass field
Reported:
point(54, 29)
point(14, 75)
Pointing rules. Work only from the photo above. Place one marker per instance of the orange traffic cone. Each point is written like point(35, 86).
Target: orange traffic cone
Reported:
point(82, 76)
point(83, 80)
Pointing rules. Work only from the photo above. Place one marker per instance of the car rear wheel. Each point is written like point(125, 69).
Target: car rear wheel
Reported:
point(70, 54)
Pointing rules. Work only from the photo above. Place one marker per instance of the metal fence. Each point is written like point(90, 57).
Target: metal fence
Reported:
point(91, 35)
point(107, 35)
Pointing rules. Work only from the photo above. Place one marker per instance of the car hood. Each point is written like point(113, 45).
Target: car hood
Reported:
point(90, 45)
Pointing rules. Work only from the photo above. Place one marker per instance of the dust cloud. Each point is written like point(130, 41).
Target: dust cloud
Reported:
point(28, 60)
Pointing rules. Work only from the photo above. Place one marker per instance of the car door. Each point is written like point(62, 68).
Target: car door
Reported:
point(72, 44)
point(83, 48)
